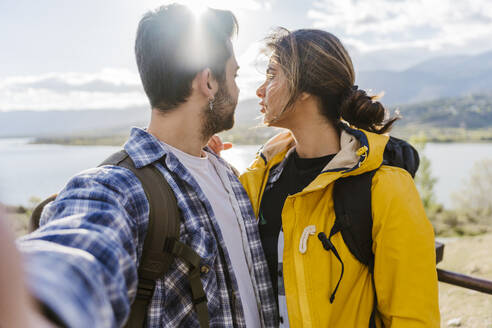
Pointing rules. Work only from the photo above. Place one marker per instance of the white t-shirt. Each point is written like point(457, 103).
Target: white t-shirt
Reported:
point(222, 199)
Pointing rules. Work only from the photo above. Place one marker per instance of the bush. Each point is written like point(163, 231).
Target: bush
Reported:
point(473, 214)
point(474, 201)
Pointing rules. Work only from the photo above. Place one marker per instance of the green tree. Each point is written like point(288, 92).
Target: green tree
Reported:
point(424, 179)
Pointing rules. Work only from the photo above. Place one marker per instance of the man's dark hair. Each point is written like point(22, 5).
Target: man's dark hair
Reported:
point(173, 45)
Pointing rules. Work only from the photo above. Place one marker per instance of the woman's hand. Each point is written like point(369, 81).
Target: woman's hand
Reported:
point(216, 144)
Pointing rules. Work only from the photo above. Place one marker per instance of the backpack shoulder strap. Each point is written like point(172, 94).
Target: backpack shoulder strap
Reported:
point(353, 206)
point(164, 216)
point(352, 201)
point(161, 244)
point(163, 228)
point(353, 210)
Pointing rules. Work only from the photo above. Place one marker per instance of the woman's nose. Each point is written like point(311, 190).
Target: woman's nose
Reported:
point(260, 92)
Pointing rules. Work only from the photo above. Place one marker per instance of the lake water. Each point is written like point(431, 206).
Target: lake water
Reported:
point(28, 170)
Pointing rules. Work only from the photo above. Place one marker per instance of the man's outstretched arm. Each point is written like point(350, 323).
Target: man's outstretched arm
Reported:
point(17, 308)
point(82, 263)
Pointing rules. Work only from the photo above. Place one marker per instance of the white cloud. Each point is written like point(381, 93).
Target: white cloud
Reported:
point(388, 24)
point(32, 99)
point(117, 77)
point(107, 89)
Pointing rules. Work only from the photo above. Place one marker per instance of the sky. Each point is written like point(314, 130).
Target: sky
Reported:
point(68, 54)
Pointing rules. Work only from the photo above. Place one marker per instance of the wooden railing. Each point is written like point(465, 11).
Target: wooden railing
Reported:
point(458, 279)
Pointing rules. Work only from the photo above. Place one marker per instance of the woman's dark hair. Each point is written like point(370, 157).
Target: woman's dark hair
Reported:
point(173, 45)
point(316, 62)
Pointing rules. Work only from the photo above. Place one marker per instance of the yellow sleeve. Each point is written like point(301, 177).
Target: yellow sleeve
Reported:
point(403, 244)
point(252, 181)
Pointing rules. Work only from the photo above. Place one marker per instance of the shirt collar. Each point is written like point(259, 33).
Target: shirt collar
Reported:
point(143, 148)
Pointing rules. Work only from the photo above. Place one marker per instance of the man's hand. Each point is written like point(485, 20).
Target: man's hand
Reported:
point(216, 144)
point(17, 308)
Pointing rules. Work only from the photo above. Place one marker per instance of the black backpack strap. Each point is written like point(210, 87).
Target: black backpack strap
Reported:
point(36, 213)
point(163, 225)
point(353, 210)
point(187, 254)
point(161, 243)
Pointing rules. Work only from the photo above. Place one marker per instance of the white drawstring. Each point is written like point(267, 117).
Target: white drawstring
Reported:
point(309, 230)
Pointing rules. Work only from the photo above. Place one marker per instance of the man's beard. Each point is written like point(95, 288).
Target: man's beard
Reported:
point(221, 117)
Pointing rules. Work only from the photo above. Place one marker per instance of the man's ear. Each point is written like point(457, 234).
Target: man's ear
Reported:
point(206, 84)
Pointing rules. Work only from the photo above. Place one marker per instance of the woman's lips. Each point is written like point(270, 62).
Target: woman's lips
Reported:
point(262, 107)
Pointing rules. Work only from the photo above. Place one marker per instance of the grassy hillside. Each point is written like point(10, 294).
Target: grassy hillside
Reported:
point(464, 119)
point(468, 112)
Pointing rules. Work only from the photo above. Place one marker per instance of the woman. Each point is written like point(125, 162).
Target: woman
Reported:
point(308, 90)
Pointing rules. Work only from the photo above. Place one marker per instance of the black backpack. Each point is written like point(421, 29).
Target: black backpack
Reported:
point(161, 244)
point(354, 218)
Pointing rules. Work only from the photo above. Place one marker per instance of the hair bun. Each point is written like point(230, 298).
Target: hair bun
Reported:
point(365, 112)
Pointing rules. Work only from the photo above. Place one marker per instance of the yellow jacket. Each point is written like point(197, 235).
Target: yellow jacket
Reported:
point(403, 242)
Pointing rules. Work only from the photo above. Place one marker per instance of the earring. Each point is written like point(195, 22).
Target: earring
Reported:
point(211, 103)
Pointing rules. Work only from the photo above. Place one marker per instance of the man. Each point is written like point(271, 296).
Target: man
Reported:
point(82, 263)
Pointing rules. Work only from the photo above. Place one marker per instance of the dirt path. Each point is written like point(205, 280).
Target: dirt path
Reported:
point(471, 256)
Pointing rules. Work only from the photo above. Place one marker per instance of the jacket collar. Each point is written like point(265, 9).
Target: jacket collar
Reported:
point(360, 151)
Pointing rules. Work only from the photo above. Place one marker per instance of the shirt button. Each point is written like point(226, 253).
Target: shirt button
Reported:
point(281, 319)
point(204, 269)
point(279, 273)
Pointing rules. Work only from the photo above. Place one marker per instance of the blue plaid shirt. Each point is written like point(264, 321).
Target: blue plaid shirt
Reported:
point(82, 262)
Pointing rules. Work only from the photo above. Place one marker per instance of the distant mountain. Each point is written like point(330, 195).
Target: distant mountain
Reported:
point(95, 122)
point(470, 112)
point(436, 78)
point(62, 123)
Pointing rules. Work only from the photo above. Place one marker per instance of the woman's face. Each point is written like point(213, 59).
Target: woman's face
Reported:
point(274, 95)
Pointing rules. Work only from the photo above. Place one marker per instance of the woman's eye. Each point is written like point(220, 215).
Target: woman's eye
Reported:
point(270, 76)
